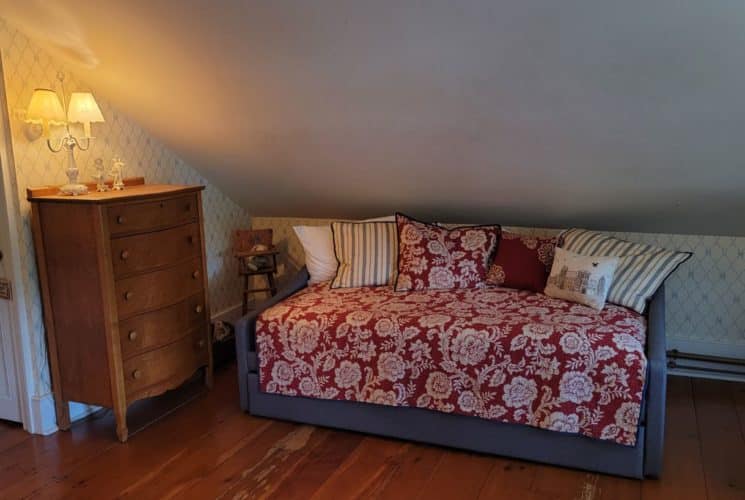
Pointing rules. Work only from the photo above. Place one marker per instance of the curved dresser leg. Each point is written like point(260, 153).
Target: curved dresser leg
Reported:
point(122, 432)
point(120, 414)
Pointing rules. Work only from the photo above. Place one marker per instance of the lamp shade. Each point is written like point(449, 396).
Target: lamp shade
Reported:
point(44, 108)
point(84, 109)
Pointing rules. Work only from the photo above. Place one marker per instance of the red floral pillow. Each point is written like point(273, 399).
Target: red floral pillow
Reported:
point(522, 262)
point(432, 257)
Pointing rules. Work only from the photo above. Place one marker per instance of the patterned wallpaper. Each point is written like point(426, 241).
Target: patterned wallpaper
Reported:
point(26, 67)
point(705, 297)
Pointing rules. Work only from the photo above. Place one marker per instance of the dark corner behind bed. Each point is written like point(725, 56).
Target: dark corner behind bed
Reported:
point(467, 432)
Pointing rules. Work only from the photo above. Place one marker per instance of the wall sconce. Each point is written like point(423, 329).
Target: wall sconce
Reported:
point(46, 109)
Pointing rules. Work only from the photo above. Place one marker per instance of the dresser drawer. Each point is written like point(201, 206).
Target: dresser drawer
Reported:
point(141, 252)
point(158, 370)
point(158, 288)
point(134, 217)
point(157, 328)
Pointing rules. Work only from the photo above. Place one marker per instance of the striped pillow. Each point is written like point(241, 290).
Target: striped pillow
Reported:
point(367, 253)
point(641, 269)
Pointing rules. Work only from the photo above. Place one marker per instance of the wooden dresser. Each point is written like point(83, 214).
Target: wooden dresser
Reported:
point(124, 290)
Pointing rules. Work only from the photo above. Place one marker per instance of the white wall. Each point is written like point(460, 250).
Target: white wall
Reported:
point(621, 115)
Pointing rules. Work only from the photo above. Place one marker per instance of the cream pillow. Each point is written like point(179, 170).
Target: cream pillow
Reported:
point(581, 278)
point(318, 244)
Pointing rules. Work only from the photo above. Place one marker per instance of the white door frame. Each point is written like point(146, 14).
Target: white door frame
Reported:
point(11, 401)
point(20, 324)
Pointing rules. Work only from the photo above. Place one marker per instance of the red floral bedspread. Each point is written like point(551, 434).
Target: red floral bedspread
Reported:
point(499, 354)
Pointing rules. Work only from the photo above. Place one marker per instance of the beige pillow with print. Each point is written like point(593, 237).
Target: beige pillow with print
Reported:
point(581, 278)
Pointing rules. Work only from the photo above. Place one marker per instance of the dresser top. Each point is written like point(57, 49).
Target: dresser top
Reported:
point(135, 188)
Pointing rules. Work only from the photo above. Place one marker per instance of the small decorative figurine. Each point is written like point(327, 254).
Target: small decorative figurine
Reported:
point(117, 174)
point(100, 176)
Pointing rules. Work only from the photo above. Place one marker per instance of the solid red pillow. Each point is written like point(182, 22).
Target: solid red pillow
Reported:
point(522, 262)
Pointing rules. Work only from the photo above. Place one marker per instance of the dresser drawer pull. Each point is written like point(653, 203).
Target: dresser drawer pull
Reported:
point(124, 255)
point(162, 205)
point(121, 219)
point(132, 335)
point(198, 309)
point(190, 239)
point(200, 343)
point(128, 295)
point(195, 274)
point(137, 374)
point(187, 208)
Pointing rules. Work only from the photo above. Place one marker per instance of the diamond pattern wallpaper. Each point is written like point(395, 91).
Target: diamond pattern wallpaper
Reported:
point(705, 297)
point(27, 67)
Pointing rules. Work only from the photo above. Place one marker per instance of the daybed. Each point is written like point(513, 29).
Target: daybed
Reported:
point(289, 373)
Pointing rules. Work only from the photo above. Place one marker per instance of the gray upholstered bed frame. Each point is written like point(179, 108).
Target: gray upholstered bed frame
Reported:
point(470, 433)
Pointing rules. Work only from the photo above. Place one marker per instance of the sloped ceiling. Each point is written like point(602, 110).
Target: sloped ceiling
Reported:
point(622, 115)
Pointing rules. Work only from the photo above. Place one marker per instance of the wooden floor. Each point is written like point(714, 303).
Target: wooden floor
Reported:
point(210, 449)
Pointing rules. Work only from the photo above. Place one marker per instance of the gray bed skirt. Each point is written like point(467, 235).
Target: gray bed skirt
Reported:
point(466, 432)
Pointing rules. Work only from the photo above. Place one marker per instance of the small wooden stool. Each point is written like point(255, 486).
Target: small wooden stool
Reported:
point(244, 249)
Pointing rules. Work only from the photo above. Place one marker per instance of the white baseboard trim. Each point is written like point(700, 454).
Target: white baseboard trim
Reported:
point(43, 417)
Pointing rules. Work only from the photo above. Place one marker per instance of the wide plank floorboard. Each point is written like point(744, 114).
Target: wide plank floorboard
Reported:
point(368, 465)
point(12, 434)
point(241, 462)
point(410, 473)
point(564, 484)
point(458, 475)
point(722, 443)
point(738, 394)
point(197, 459)
point(145, 455)
point(281, 462)
point(30, 466)
point(316, 467)
point(683, 469)
point(210, 449)
point(510, 479)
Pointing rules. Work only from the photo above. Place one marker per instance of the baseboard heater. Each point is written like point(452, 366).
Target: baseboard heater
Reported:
point(677, 360)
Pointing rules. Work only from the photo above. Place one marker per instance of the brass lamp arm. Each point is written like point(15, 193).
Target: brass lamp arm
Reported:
point(59, 146)
point(79, 143)
point(69, 142)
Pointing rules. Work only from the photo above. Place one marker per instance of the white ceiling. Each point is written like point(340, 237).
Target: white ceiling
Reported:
point(623, 115)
